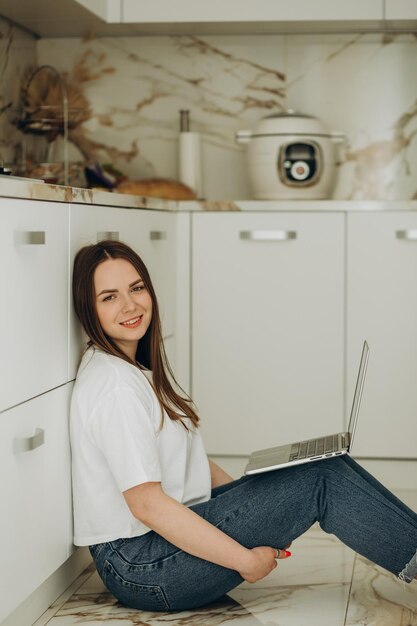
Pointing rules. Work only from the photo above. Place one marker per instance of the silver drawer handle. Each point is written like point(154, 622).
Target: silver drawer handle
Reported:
point(407, 235)
point(157, 235)
point(30, 237)
point(25, 444)
point(108, 234)
point(268, 235)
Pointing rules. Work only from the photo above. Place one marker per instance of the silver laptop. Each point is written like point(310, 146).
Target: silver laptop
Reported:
point(313, 449)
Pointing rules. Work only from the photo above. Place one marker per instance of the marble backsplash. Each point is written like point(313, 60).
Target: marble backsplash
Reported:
point(362, 85)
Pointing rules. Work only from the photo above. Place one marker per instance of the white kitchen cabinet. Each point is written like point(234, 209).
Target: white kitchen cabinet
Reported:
point(236, 11)
point(131, 17)
point(152, 234)
point(36, 519)
point(33, 318)
point(267, 327)
point(382, 308)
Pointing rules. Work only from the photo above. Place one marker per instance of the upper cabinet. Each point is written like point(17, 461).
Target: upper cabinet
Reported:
point(72, 18)
point(302, 13)
point(107, 10)
point(187, 16)
point(67, 18)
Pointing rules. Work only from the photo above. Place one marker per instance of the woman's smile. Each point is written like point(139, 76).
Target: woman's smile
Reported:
point(133, 322)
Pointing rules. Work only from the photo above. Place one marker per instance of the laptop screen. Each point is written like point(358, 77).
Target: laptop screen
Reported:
point(358, 392)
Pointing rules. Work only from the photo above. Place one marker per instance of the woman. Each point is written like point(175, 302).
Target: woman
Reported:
point(167, 528)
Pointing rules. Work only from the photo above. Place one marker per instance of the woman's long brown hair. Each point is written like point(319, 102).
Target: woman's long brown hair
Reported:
point(150, 352)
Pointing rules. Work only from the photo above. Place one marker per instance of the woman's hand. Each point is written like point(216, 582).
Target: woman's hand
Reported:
point(261, 562)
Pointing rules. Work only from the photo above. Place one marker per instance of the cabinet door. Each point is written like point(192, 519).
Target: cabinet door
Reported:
point(34, 313)
point(267, 327)
point(151, 234)
point(185, 11)
point(36, 518)
point(382, 308)
point(401, 10)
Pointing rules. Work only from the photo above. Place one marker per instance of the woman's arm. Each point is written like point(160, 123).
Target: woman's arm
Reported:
point(188, 531)
point(218, 475)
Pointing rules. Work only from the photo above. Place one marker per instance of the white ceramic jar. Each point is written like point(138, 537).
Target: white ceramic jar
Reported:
point(291, 156)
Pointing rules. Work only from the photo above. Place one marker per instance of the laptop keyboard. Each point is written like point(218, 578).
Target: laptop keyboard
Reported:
point(315, 447)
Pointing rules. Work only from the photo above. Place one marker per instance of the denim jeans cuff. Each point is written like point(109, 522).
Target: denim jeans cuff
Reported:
point(410, 570)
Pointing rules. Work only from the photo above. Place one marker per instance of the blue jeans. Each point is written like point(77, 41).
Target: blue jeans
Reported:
point(270, 509)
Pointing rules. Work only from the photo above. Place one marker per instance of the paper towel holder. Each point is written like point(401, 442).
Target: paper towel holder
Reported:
point(189, 155)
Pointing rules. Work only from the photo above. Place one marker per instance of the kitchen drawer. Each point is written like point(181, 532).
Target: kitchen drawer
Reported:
point(34, 315)
point(152, 234)
point(36, 519)
point(187, 12)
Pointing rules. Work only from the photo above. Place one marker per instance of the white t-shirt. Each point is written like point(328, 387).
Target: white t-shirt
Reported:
point(117, 443)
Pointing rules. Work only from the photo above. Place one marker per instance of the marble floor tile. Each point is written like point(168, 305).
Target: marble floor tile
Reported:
point(86, 575)
point(379, 599)
point(273, 606)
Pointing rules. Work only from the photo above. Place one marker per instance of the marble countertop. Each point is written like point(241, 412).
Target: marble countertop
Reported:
point(32, 190)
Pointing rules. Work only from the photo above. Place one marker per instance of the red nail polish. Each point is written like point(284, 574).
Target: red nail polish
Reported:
point(287, 553)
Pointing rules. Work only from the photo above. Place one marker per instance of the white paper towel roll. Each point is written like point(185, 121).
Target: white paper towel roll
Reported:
point(189, 160)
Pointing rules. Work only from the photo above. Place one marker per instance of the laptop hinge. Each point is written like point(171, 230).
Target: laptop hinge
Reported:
point(345, 440)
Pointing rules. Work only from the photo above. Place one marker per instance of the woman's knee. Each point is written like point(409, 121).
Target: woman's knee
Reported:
point(334, 464)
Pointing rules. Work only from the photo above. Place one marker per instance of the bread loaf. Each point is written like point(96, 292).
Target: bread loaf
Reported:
point(157, 188)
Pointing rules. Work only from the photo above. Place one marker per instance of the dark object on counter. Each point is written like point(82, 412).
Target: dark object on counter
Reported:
point(103, 175)
point(5, 171)
point(97, 176)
